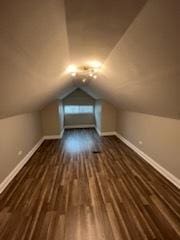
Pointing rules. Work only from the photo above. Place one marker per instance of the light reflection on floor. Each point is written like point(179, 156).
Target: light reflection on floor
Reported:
point(75, 143)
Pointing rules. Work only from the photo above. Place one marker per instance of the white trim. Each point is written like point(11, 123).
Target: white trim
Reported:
point(80, 126)
point(98, 131)
point(15, 171)
point(51, 137)
point(62, 132)
point(105, 133)
point(108, 133)
point(20, 165)
point(152, 162)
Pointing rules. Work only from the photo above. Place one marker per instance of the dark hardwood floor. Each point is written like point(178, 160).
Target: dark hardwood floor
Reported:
point(84, 187)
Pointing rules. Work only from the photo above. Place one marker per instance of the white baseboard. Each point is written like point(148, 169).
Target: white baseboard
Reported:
point(15, 171)
point(80, 126)
point(108, 133)
point(104, 133)
point(20, 165)
point(62, 132)
point(152, 162)
point(51, 137)
point(98, 131)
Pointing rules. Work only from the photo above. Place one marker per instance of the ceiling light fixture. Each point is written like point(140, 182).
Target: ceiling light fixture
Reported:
point(85, 71)
point(73, 74)
point(71, 68)
point(95, 64)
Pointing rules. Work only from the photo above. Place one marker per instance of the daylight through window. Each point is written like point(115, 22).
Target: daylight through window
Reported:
point(78, 109)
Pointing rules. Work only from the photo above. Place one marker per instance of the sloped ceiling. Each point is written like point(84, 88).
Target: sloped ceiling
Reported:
point(144, 67)
point(94, 27)
point(78, 96)
point(137, 40)
point(33, 54)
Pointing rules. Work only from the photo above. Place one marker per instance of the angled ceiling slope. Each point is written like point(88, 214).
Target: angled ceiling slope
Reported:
point(94, 27)
point(137, 40)
point(34, 47)
point(144, 67)
point(33, 54)
point(78, 96)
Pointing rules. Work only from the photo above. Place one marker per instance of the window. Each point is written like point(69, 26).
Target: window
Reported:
point(78, 109)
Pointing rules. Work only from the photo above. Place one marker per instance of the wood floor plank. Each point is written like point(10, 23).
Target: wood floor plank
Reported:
point(86, 187)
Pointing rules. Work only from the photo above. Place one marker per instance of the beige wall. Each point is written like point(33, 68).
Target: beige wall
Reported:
point(160, 137)
point(79, 97)
point(18, 133)
point(98, 110)
point(61, 115)
point(79, 119)
point(52, 119)
point(106, 116)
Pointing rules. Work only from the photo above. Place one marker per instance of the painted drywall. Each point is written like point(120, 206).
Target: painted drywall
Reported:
point(94, 27)
point(78, 119)
point(142, 71)
point(33, 54)
point(18, 133)
point(139, 38)
point(51, 118)
point(98, 111)
point(61, 115)
point(79, 97)
point(106, 116)
point(160, 137)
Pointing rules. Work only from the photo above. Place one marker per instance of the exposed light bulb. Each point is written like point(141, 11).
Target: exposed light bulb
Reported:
point(90, 74)
point(95, 64)
point(73, 74)
point(94, 76)
point(84, 80)
point(71, 68)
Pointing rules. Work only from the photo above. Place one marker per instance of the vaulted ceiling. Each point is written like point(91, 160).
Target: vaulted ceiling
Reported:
point(137, 40)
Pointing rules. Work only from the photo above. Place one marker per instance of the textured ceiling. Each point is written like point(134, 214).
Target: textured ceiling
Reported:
point(94, 27)
point(137, 40)
point(144, 67)
point(33, 54)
